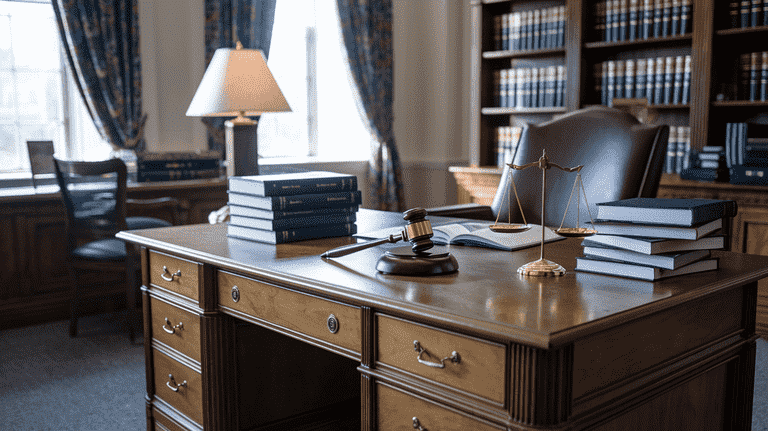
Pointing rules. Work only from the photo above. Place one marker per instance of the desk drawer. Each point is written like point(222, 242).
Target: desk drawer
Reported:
point(176, 328)
point(481, 365)
point(299, 312)
point(397, 410)
point(174, 274)
point(188, 397)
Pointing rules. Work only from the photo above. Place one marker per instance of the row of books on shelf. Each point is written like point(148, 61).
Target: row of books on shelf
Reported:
point(531, 87)
point(283, 208)
point(662, 80)
point(678, 150)
point(746, 13)
point(534, 29)
point(507, 138)
point(620, 20)
point(746, 144)
point(151, 167)
point(753, 82)
point(652, 238)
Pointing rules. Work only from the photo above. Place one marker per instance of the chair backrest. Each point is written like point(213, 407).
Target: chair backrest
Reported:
point(40, 158)
point(622, 158)
point(94, 196)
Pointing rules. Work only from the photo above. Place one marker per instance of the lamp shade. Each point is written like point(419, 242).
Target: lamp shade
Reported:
point(237, 82)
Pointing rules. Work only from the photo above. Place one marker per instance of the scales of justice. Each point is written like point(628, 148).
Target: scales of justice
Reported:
point(542, 266)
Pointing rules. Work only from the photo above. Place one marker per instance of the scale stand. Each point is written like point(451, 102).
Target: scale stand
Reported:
point(542, 266)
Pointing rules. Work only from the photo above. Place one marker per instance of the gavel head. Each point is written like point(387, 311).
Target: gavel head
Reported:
point(418, 231)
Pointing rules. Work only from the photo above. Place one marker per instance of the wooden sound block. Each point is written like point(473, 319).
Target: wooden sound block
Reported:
point(403, 261)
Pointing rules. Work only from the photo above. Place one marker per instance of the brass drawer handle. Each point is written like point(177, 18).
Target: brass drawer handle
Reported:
point(165, 271)
point(455, 358)
point(417, 425)
point(172, 385)
point(170, 328)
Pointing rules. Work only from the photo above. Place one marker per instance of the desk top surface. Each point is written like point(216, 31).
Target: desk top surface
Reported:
point(486, 295)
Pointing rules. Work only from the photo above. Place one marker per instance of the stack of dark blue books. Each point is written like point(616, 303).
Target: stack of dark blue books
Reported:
point(652, 238)
point(293, 207)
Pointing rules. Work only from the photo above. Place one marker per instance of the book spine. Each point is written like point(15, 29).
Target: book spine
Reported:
point(753, 76)
point(500, 147)
point(599, 70)
point(744, 13)
point(629, 79)
point(686, 90)
point(680, 154)
point(744, 61)
point(551, 35)
point(562, 73)
point(609, 20)
point(291, 235)
point(669, 79)
point(527, 87)
point(650, 82)
point(536, 33)
point(516, 29)
point(287, 203)
point(529, 30)
point(276, 188)
point(734, 10)
point(620, 76)
point(500, 30)
point(765, 12)
point(674, 18)
point(669, 162)
point(534, 88)
point(685, 16)
point(504, 88)
point(756, 13)
point(498, 85)
point(520, 87)
point(633, 19)
point(688, 148)
point(658, 11)
point(764, 76)
point(611, 90)
point(546, 25)
point(623, 19)
point(728, 133)
point(666, 16)
point(741, 142)
point(640, 78)
point(600, 17)
point(543, 87)
point(677, 90)
point(561, 26)
point(512, 88)
point(658, 96)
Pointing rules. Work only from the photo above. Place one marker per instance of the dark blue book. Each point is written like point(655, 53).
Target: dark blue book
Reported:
point(517, 29)
point(611, 83)
point(729, 132)
point(673, 212)
point(686, 90)
point(604, 83)
point(680, 159)
point(633, 19)
point(734, 7)
point(650, 79)
point(560, 86)
point(658, 80)
point(754, 76)
point(658, 12)
point(528, 30)
point(247, 211)
point(765, 12)
point(764, 76)
point(511, 89)
point(545, 18)
point(293, 183)
point(542, 88)
point(685, 16)
point(675, 15)
point(647, 14)
point(561, 26)
point(297, 202)
point(744, 13)
point(501, 88)
point(666, 17)
point(640, 78)
point(749, 175)
point(629, 79)
point(677, 87)
point(536, 42)
point(623, 20)
point(609, 21)
point(534, 87)
point(669, 79)
point(290, 235)
point(756, 13)
point(292, 222)
point(618, 90)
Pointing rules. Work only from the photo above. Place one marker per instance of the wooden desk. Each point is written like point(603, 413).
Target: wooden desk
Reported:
point(245, 325)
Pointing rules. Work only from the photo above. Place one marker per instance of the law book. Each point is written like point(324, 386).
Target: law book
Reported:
point(675, 212)
point(629, 79)
point(293, 183)
point(666, 17)
point(527, 85)
point(290, 235)
point(600, 18)
point(671, 155)
point(176, 175)
point(611, 81)
point(765, 12)
point(640, 78)
point(536, 32)
point(647, 31)
point(764, 74)
point(658, 79)
point(620, 77)
point(672, 260)
point(699, 174)
point(545, 27)
point(292, 222)
point(609, 21)
point(654, 245)
point(601, 81)
point(685, 16)
point(650, 80)
point(756, 13)
point(744, 75)
point(656, 231)
point(504, 89)
point(298, 202)
point(669, 79)
point(658, 11)
point(641, 272)
point(744, 13)
point(534, 99)
point(552, 20)
point(499, 94)
point(674, 18)
point(634, 6)
point(499, 30)
point(677, 87)
point(686, 137)
point(246, 211)
point(542, 87)
point(561, 26)
point(560, 82)
point(754, 76)
point(734, 7)
point(516, 32)
point(520, 87)
point(741, 140)
point(686, 89)
point(528, 29)
point(549, 87)
point(623, 19)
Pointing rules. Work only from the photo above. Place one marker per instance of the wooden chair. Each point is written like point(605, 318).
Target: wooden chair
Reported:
point(622, 158)
point(94, 196)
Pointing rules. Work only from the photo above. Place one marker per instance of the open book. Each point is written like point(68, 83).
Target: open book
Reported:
point(478, 234)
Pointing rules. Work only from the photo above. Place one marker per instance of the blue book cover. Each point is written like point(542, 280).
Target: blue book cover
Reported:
point(542, 88)
point(290, 235)
point(609, 21)
point(685, 16)
point(297, 202)
point(623, 20)
point(728, 134)
point(674, 18)
point(674, 212)
point(604, 83)
point(536, 32)
point(671, 154)
point(293, 183)
point(640, 77)
point(754, 72)
point(650, 79)
point(648, 14)
point(633, 20)
point(764, 75)
point(246, 211)
point(756, 14)
point(734, 8)
point(658, 11)
point(666, 17)
point(561, 26)
point(618, 89)
point(292, 222)
point(686, 90)
point(658, 95)
point(677, 88)
point(744, 13)
point(765, 12)
point(669, 79)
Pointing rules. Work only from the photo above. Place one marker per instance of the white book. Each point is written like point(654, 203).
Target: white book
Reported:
point(641, 272)
point(657, 245)
point(671, 232)
point(666, 260)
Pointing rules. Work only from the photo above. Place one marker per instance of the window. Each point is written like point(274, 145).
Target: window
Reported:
point(309, 61)
point(38, 99)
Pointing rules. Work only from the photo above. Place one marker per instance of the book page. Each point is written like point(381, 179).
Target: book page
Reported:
point(507, 241)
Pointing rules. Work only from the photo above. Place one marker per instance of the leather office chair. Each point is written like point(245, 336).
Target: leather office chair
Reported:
point(94, 197)
point(622, 158)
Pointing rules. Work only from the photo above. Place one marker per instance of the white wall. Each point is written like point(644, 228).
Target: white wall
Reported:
point(431, 74)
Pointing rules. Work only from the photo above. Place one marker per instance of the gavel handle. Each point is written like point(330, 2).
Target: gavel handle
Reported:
point(348, 249)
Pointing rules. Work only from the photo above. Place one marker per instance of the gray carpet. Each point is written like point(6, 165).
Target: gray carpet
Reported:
point(96, 381)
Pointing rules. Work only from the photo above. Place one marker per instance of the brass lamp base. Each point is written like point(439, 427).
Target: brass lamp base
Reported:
point(541, 268)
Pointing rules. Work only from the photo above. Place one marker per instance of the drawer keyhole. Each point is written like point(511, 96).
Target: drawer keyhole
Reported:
point(235, 293)
point(333, 324)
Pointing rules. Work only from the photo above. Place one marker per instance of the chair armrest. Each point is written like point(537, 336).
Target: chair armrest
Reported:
point(171, 206)
point(470, 211)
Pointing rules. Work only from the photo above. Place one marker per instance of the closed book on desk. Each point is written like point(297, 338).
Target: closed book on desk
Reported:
point(665, 261)
point(276, 215)
point(290, 235)
point(293, 183)
point(649, 245)
point(656, 231)
point(297, 202)
point(649, 273)
point(292, 222)
point(675, 212)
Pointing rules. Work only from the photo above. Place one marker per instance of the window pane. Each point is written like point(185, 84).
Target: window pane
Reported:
point(6, 58)
point(7, 97)
point(39, 96)
point(31, 36)
point(9, 153)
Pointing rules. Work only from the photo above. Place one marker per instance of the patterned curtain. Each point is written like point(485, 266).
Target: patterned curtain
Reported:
point(367, 30)
point(227, 21)
point(101, 40)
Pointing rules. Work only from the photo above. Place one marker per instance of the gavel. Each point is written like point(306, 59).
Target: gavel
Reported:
point(418, 232)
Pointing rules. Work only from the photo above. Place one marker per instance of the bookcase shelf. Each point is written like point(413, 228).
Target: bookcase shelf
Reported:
point(513, 111)
point(671, 41)
point(491, 55)
point(739, 104)
point(745, 30)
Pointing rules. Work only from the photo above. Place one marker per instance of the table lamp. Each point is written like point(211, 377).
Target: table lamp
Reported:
point(238, 83)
